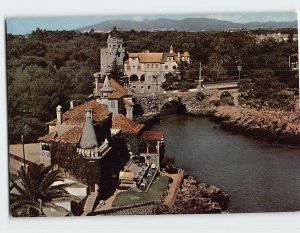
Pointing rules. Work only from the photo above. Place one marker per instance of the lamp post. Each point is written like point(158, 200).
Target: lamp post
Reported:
point(200, 76)
point(239, 69)
point(22, 141)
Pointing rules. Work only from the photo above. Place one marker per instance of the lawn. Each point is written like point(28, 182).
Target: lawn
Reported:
point(155, 193)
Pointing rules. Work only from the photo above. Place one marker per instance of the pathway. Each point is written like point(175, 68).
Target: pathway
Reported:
point(173, 187)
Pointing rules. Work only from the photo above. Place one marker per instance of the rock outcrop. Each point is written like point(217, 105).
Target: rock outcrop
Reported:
point(258, 122)
point(198, 198)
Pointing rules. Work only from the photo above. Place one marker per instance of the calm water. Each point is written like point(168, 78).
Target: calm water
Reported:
point(259, 176)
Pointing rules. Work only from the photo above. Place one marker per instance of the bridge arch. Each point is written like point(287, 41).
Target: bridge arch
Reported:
point(173, 103)
point(154, 103)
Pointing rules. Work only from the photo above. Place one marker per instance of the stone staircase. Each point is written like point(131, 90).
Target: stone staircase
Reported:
point(89, 203)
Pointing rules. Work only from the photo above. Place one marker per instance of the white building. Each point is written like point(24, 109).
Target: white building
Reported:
point(146, 70)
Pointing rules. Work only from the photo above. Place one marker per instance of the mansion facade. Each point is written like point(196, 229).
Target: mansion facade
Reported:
point(145, 71)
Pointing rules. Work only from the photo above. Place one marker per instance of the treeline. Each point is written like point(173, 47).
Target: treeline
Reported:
point(47, 68)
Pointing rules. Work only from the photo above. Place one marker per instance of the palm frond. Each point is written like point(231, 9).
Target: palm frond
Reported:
point(59, 209)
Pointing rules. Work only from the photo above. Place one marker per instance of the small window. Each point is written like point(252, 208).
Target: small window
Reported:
point(119, 46)
point(148, 66)
point(133, 86)
point(149, 87)
point(139, 67)
point(114, 46)
point(142, 86)
point(166, 67)
point(128, 67)
point(112, 104)
point(152, 66)
point(156, 66)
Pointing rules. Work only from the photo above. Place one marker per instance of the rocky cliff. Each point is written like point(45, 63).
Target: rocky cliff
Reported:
point(261, 122)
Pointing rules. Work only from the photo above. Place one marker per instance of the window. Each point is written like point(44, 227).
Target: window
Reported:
point(142, 86)
point(119, 46)
point(152, 66)
point(45, 146)
point(128, 67)
point(133, 86)
point(148, 66)
point(112, 104)
point(170, 58)
point(156, 66)
point(114, 46)
point(149, 87)
point(139, 67)
point(166, 67)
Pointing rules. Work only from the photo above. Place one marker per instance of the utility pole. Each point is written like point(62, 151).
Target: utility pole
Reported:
point(239, 69)
point(289, 61)
point(200, 75)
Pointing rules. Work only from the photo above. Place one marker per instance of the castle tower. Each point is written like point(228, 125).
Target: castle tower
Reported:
point(114, 52)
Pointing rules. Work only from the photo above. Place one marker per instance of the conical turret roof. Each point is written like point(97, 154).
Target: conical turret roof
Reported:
point(106, 86)
point(88, 138)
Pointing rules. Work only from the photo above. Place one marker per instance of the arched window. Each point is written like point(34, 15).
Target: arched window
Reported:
point(143, 78)
point(133, 78)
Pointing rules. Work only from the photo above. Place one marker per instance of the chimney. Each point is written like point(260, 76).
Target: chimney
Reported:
point(58, 115)
point(71, 104)
point(171, 49)
point(96, 85)
point(89, 114)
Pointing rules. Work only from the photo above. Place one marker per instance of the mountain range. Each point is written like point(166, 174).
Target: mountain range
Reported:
point(187, 24)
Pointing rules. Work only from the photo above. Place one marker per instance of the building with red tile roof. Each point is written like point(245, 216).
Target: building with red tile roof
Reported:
point(146, 70)
point(123, 123)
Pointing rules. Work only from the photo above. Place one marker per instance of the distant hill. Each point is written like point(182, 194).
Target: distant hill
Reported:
point(188, 24)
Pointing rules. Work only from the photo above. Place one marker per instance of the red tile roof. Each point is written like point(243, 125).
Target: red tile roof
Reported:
point(147, 57)
point(71, 136)
point(76, 116)
point(47, 137)
point(153, 134)
point(119, 91)
point(120, 121)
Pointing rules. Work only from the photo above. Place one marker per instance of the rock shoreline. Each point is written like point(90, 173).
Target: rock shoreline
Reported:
point(263, 122)
point(195, 197)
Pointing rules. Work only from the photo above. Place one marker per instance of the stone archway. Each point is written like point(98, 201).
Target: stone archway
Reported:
point(143, 78)
point(133, 78)
point(174, 103)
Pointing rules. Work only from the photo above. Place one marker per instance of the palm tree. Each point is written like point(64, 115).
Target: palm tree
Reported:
point(36, 190)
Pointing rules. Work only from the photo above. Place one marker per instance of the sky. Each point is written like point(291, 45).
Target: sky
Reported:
point(26, 25)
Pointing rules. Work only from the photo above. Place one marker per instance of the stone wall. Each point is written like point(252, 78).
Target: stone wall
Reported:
point(196, 103)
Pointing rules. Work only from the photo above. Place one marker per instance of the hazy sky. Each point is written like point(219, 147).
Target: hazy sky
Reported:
point(27, 25)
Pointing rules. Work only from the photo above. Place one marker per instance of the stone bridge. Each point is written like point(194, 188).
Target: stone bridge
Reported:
point(194, 102)
point(153, 103)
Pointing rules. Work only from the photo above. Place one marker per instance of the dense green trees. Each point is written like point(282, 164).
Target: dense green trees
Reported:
point(37, 190)
point(262, 88)
point(47, 68)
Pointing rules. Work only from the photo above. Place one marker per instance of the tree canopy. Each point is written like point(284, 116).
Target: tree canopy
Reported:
point(47, 68)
